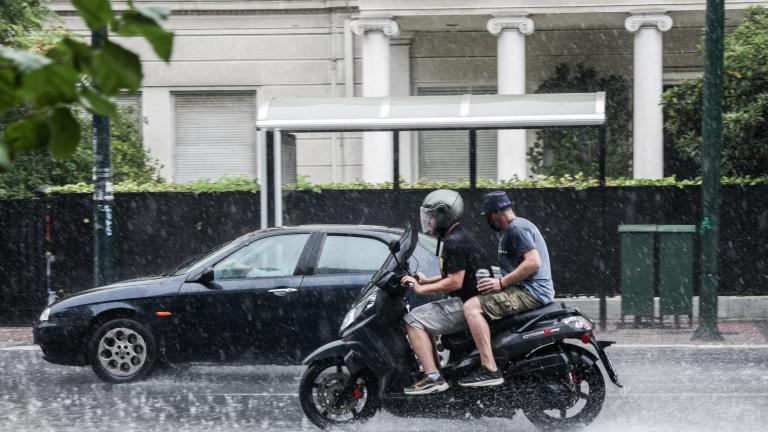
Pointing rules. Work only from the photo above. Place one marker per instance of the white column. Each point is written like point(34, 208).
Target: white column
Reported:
point(157, 115)
point(648, 121)
point(512, 159)
point(400, 85)
point(377, 146)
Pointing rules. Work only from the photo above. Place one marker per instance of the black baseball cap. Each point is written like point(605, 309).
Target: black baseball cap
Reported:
point(495, 201)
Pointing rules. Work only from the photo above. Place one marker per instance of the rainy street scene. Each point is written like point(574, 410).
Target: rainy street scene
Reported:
point(383, 215)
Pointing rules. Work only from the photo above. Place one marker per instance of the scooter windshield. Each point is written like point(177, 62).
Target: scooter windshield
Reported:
point(408, 242)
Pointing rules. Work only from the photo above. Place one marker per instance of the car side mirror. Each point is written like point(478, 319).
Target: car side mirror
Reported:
point(394, 246)
point(206, 276)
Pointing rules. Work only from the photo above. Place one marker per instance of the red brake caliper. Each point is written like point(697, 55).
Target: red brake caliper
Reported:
point(576, 378)
point(357, 392)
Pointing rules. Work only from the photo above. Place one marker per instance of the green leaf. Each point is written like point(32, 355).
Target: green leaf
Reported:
point(5, 155)
point(135, 23)
point(65, 133)
point(25, 61)
point(97, 102)
point(115, 68)
point(96, 13)
point(30, 133)
point(8, 92)
point(81, 53)
point(155, 13)
point(51, 85)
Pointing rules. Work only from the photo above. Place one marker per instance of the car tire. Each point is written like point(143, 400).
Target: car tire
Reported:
point(122, 350)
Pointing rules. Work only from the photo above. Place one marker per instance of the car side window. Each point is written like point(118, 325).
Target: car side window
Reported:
point(268, 257)
point(351, 254)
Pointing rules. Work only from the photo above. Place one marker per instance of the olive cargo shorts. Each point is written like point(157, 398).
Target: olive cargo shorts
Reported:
point(510, 300)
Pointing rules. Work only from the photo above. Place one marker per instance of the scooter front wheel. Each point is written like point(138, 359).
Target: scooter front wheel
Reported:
point(320, 394)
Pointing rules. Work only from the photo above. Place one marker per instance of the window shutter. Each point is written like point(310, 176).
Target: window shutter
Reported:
point(215, 135)
point(444, 155)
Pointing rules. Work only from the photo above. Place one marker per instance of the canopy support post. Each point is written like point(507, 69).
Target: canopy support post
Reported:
point(261, 149)
point(472, 159)
point(601, 143)
point(277, 169)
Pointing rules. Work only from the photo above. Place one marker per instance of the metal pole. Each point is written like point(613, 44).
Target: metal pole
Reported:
point(472, 159)
point(102, 188)
point(261, 147)
point(396, 160)
point(277, 148)
point(601, 142)
point(712, 136)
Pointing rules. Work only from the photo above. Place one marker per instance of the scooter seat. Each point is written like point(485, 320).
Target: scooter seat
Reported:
point(463, 340)
point(515, 321)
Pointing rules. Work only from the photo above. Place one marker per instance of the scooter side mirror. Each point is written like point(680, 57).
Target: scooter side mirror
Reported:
point(394, 246)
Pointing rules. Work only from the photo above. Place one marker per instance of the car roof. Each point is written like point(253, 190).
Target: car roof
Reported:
point(335, 228)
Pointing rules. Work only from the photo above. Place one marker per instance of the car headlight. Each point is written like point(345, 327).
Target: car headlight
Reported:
point(44, 315)
point(578, 322)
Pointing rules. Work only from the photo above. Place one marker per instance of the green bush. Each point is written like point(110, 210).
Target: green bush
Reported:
point(578, 181)
point(561, 151)
point(745, 102)
point(131, 163)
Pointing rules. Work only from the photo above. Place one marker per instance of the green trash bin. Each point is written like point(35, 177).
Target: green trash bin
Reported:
point(637, 270)
point(676, 258)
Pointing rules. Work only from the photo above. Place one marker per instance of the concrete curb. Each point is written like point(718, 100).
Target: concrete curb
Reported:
point(729, 308)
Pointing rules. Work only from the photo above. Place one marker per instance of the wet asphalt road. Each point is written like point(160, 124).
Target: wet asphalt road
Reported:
point(666, 389)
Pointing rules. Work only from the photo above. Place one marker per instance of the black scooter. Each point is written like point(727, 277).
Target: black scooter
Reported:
point(556, 383)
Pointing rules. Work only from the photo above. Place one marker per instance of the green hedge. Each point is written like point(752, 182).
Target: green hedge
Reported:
point(541, 182)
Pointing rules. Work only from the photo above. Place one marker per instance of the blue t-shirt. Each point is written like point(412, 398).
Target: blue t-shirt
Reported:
point(520, 237)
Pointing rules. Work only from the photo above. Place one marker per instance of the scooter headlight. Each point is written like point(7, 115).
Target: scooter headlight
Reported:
point(355, 311)
point(351, 315)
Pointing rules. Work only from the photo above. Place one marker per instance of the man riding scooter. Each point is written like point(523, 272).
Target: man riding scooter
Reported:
point(460, 259)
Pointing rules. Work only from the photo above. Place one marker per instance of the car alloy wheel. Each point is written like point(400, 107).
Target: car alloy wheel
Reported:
point(122, 350)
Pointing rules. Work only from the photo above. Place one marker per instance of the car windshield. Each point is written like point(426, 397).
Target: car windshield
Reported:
point(195, 262)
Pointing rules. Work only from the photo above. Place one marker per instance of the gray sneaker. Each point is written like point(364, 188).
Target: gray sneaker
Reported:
point(483, 378)
point(426, 386)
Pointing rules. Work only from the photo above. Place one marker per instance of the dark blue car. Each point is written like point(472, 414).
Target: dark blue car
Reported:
point(271, 296)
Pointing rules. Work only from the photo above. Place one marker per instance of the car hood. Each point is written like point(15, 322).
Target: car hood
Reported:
point(126, 290)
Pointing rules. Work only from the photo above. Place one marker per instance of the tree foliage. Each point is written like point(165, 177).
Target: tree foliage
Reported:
point(132, 163)
point(39, 92)
point(562, 151)
point(745, 102)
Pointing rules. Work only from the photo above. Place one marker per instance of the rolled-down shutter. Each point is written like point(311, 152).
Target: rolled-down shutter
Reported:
point(444, 155)
point(215, 135)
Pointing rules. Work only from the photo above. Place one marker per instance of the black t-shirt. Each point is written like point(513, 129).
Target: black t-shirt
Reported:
point(462, 252)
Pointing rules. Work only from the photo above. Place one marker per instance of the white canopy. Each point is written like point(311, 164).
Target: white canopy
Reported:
point(433, 112)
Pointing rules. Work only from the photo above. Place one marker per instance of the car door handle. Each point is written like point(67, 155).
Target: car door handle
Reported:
point(282, 291)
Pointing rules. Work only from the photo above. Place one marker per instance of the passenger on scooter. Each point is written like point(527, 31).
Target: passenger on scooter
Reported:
point(460, 259)
point(526, 283)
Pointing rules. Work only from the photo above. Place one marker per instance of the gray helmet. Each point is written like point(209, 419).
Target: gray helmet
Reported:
point(440, 209)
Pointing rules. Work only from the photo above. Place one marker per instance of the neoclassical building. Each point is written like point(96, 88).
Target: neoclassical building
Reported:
point(197, 112)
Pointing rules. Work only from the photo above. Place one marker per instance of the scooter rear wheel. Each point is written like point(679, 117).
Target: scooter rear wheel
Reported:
point(322, 384)
point(589, 395)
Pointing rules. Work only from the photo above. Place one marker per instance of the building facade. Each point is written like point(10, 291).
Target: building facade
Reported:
point(198, 111)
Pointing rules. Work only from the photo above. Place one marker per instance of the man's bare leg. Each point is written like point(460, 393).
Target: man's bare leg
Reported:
point(422, 347)
point(481, 332)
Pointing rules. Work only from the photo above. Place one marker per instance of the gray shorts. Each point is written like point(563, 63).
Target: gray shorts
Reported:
point(440, 317)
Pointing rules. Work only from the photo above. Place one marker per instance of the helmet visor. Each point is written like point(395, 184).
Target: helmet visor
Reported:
point(428, 221)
